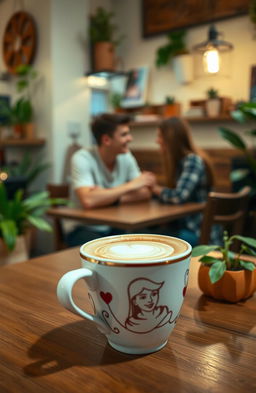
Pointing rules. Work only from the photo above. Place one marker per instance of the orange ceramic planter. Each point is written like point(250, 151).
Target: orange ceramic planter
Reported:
point(232, 287)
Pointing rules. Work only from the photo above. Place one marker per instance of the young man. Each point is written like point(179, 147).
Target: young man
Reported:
point(106, 174)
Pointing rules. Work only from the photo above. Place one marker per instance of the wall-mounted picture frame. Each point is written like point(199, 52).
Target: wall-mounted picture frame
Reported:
point(253, 84)
point(135, 93)
point(161, 16)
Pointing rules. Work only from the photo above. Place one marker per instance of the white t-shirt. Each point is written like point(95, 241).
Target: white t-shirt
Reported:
point(88, 169)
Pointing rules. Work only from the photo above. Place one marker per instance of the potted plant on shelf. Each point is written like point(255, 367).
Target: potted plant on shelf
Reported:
point(175, 49)
point(115, 100)
point(226, 275)
point(17, 215)
point(103, 40)
point(213, 103)
point(26, 77)
point(170, 107)
point(20, 114)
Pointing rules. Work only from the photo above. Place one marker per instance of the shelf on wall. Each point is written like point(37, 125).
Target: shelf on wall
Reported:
point(189, 119)
point(21, 142)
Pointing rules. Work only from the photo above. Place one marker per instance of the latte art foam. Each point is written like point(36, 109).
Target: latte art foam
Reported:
point(131, 248)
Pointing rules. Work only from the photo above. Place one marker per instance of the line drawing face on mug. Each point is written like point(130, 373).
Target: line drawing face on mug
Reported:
point(144, 314)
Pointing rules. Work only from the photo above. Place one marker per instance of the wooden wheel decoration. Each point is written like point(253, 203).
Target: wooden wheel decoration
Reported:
point(19, 41)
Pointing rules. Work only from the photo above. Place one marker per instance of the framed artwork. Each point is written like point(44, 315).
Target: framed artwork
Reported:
point(161, 16)
point(253, 84)
point(136, 87)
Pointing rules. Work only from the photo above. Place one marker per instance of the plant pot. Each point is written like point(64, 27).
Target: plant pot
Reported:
point(19, 254)
point(103, 56)
point(183, 68)
point(232, 287)
point(29, 130)
point(18, 131)
point(171, 110)
point(212, 107)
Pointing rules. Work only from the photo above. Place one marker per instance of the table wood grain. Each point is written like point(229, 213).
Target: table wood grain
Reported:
point(47, 349)
point(129, 216)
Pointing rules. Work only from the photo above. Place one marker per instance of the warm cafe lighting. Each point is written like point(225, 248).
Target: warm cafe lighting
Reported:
point(212, 50)
point(3, 176)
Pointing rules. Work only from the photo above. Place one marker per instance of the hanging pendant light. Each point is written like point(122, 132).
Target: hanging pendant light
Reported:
point(212, 50)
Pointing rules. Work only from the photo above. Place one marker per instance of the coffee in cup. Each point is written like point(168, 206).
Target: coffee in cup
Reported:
point(137, 284)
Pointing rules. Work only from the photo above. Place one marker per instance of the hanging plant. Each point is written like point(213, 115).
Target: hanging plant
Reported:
point(252, 14)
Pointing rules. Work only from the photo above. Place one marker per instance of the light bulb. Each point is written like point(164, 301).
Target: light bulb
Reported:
point(211, 61)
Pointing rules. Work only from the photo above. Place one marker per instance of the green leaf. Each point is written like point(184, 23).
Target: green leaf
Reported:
point(39, 223)
point(233, 138)
point(249, 251)
point(9, 233)
point(247, 240)
point(216, 271)
point(208, 259)
point(203, 249)
point(239, 116)
point(247, 265)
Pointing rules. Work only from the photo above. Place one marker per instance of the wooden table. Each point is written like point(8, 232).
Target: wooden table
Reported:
point(47, 349)
point(128, 216)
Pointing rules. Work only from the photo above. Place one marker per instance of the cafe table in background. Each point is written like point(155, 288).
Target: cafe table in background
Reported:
point(46, 349)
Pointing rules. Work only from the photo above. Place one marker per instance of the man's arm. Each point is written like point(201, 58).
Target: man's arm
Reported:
point(136, 189)
point(144, 193)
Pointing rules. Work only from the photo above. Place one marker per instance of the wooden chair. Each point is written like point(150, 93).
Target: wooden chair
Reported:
point(58, 191)
point(227, 209)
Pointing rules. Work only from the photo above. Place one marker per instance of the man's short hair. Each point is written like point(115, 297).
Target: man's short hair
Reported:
point(107, 123)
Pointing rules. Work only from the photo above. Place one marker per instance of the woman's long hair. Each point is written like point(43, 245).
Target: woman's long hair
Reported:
point(178, 143)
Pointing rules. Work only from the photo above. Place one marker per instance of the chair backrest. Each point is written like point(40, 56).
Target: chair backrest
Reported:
point(227, 209)
point(58, 191)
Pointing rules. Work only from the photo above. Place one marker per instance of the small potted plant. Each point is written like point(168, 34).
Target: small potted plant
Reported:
point(115, 100)
point(170, 107)
point(226, 275)
point(103, 40)
point(213, 103)
point(20, 114)
point(175, 49)
point(17, 215)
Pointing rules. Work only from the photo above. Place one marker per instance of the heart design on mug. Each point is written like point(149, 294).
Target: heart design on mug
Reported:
point(107, 297)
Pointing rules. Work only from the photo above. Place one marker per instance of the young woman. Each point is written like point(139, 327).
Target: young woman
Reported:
point(189, 176)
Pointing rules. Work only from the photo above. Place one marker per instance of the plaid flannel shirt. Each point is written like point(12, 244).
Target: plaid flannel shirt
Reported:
point(191, 186)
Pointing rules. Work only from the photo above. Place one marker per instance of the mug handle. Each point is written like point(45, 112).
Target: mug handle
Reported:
point(64, 294)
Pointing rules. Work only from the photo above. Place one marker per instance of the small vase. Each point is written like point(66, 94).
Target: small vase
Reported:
point(183, 68)
point(212, 107)
point(232, 287)
point(29, 130)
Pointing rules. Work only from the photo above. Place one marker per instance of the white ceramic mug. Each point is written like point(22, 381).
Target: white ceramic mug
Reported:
point(137, 284)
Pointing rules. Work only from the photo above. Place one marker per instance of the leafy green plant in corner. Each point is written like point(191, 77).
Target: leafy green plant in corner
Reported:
point(102, 29)
point(175, 46)
point(245, 112)
point(227, 259)
point(17, 214)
